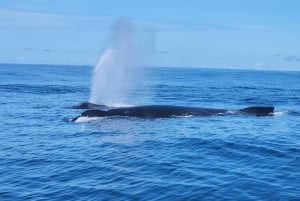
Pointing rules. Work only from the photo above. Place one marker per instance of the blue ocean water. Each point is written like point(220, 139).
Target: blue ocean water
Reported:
point(44, 156)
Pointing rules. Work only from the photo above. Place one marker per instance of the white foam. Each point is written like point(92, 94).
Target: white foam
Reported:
point(280, 113)
point(117, 105)
point(230, 112)
point(87, 119)
point(185, 116)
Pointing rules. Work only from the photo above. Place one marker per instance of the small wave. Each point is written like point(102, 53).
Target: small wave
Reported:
point(39, 89)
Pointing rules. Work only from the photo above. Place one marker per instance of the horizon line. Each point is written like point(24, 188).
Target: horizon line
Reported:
point(186, 67)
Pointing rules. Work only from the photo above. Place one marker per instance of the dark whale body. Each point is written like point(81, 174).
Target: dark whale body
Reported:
point(86, 105)
point(165, 111)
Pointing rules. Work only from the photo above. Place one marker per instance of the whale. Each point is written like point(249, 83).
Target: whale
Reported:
point(167, 111)
point(87, 105)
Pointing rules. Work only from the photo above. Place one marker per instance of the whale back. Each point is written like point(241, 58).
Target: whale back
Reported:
point(258, 110)
point(163, 111)
point(87, 105)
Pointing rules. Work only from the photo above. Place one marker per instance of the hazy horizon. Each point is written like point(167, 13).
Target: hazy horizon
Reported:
point(186, 67)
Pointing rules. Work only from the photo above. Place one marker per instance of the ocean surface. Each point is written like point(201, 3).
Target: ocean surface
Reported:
point(44, 156)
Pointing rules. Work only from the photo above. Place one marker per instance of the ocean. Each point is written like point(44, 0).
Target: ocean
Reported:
point(44, 156)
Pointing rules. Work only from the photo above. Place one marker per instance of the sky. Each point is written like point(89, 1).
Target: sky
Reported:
point(247, 34)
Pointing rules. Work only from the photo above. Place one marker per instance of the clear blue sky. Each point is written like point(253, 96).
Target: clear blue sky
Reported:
point(252, 34)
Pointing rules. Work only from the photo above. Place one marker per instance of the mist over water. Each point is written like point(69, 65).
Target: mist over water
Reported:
point(116, 70)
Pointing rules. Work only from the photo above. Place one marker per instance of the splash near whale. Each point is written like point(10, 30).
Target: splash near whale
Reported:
point(168, 111)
